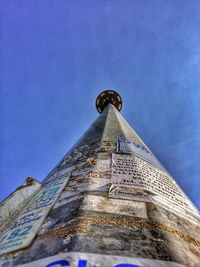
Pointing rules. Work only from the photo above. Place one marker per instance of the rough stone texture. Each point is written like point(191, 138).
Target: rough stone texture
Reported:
point(161, 234)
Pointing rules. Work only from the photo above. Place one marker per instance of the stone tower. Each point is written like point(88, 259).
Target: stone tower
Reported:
point(109, 202)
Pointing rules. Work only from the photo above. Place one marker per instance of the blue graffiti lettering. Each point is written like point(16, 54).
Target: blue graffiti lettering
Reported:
point(126, 265)
point(82, 263)
point(61, 262)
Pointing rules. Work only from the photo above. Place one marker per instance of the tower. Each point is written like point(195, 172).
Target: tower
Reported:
point(108, 202)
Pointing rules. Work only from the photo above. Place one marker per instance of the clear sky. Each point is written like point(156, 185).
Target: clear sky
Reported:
point(58, 55)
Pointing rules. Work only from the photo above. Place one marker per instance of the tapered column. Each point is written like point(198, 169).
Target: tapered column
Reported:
point(118, 204)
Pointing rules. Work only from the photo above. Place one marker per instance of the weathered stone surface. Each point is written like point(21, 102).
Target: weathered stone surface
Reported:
point(85, 220)
point(115, 206)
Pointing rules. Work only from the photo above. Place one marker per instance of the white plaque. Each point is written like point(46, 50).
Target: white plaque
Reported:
point(130, 147)
point(103, 165)
point(13, 204)
point(116, 206)
point(132, 172)
point(23, 230)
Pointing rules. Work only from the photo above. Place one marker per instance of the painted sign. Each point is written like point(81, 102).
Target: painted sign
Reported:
point(23, 230)
point(75, 259)
point(130, 147)
point(13, 204)
point(130, 172)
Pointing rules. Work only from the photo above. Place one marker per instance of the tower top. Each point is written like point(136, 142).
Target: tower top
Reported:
point(108, 97)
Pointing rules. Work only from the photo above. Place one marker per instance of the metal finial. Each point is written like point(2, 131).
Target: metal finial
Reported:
point(108, 97)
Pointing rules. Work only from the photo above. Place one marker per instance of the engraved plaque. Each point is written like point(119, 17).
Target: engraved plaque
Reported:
point(130, 172)
point(116, 206)
point(131, 147)
point(103, 165)
point(129, 193)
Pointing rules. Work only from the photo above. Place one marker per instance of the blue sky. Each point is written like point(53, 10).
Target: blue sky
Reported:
point(57, 56)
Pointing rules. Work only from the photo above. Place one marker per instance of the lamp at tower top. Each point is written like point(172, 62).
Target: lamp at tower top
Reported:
point(108, 97)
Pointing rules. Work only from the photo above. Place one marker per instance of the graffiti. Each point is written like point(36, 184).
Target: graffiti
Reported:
point(83, 263)
point(75, 259)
